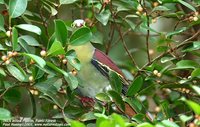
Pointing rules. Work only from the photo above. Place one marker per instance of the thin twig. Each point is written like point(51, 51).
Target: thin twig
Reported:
point(111, 35)
point(148, 31)
point(122, 38)
point(43, 22)
point(185, 42)
point(63, 112)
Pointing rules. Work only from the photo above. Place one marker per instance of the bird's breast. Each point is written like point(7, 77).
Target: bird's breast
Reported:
point(92, 81)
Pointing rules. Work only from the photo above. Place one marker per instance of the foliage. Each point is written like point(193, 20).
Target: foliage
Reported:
point(159, 53)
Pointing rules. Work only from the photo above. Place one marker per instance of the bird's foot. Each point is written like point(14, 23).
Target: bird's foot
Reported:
point(87, 101)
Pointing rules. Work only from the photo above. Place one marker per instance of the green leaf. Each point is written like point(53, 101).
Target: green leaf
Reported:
point(115, 82)
point(30, 28)
point(195, 46)
point(2, 24)
point(2, 72)
point(41, 62)
point(160, 8)
point(135, 86)
point(116, 97)
point(15, 72)
point(1, 1)
point(61, 31)
point(196, 89)
point(145, 124)
point(13, 96)
point(51, 85)
point(50, 8)
point(187, 5)
point(73, 60)
point(167, 59)
point(166, 123)
point(30, 40)
point(119, 121)
point(81, 36)
point(178, 31)
point(97, 38)
point(104, 16)
point(162, 48)
point(5, 114)
point(166, 109)
point(26, 47)
point(52, 66)
point(17, 7)
point(88, 116)
point(103, 97)
point(14, 38)
point(196, 72)
point(56, 49)
point(72, 81)
point(135, 104)
point(131, 24)
point(77, 124)
point(67, 1)
point(186, 64)
point(185, 118)
point(2, 48)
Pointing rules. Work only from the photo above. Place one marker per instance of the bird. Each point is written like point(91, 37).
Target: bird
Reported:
point(95, 69)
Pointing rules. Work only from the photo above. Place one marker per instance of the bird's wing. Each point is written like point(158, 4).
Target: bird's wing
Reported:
point(104, 64)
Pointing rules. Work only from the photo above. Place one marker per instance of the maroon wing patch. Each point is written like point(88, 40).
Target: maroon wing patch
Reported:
point(105, 60)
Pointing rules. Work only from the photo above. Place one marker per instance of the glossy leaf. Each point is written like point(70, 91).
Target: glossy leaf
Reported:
point(186, 64)
point(119, 121)
point(77, 124)
point(2, 72)
point(145, 124)
point(26, 47)
point(135, 104)
point(73, 60)
point(178, 31)
point(67, 1)
point(51, 85)
point(166, 109)
point(116, 97)
point(196, 72)
point(185, 118)
point(115, 82)
point(1, 1)
point(13, 96)
point(160, 8)
point(61, 31)
point(30, 28)
point(72, 81)
point(167, 123)
point(36, 58)
point(195, 46)
point(56, 49)
point(81, 36)
point(187, 5)
point(29, 40)
point(15, 72)
point(103, 17)
point(135, 86)
point(17, 7)
point(167, 59)
point(52, 66)
point(14, 38)
point(2, 24)
point(131, 24)
point(196, 89)
point(103, 97)
point(5, 114)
